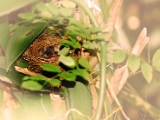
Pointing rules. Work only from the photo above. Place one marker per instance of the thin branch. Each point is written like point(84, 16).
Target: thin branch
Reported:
point(5, 85)
point(113, 18)
point(121, 74)
point(26, 71)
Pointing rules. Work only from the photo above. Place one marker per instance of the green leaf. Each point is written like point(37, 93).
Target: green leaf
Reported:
point(41, 7)
point(72, 36)
point(147, 71)
point(89, 45)
point(40, 77)
point(66, 12)
point(14, 26)
point(68, 4)
point(53, 8)
point(114, 36)
point(156, 60)
point(32, 105)
point(50, 68)
point(101, 36)
point(79, 25)
point(2, 62)
point(64, 51)
point(68, 61)
point(119, 56)
point(84, 63)
point(75, 29)
point(4, 31)
point(109, 58)
point(47, 15)
point(80, 98)
point(82, 73)
point(27, 16)
point(68, 43)
point(67, 76)
point(156, 75)
point(55, 82)
point(22, 38)
point(95, 29)
point(105, 10)
point(22, 63)
point(133, 63)
point(8, 75)
point(31, 85)
point(17, 75)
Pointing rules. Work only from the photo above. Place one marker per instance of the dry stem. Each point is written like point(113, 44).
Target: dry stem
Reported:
point(121, 74)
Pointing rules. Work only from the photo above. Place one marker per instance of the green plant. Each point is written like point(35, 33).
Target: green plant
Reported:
point(74, 75)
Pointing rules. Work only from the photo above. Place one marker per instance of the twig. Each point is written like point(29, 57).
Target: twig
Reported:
point(113, 18)
point(117, 101)
point(112, 113)
point(78, 112)
point(121, 74)
point(26, 71)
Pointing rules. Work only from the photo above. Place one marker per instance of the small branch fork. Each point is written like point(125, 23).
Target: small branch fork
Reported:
point(121, 74)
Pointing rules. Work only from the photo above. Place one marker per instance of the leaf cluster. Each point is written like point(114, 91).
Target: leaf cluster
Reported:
point(149, 71)
point(31, 82)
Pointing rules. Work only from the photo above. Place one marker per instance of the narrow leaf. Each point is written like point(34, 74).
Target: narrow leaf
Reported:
point(8, 75)
point(66, 12)
point(119, 56)
point(31, 85)
point(68, 43)
point(147, 71)
point(68, 61)
point(41, 7)
point(82, 73)
point(2, 62)
point(95, 29)
point(64, 51)
point(101, 36)
point(84, 63)
point(67, 76)
point(53, 8)
point(50, 68)
point(79, 25)
point(22, 38)
point(89, 45)
point(27, 16)
point(80, 99)
point(40, 77)
point(68, 4)
point(4, 31)
point(55, 82)
point(133, 63)
point(46, 15)
point(114, 36)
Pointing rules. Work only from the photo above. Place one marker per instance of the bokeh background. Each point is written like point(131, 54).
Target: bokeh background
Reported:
point(135, 15)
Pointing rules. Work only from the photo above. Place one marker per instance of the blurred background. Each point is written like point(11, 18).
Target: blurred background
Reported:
point(135, 15)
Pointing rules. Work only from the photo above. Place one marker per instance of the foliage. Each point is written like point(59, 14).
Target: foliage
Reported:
point(85, 34)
